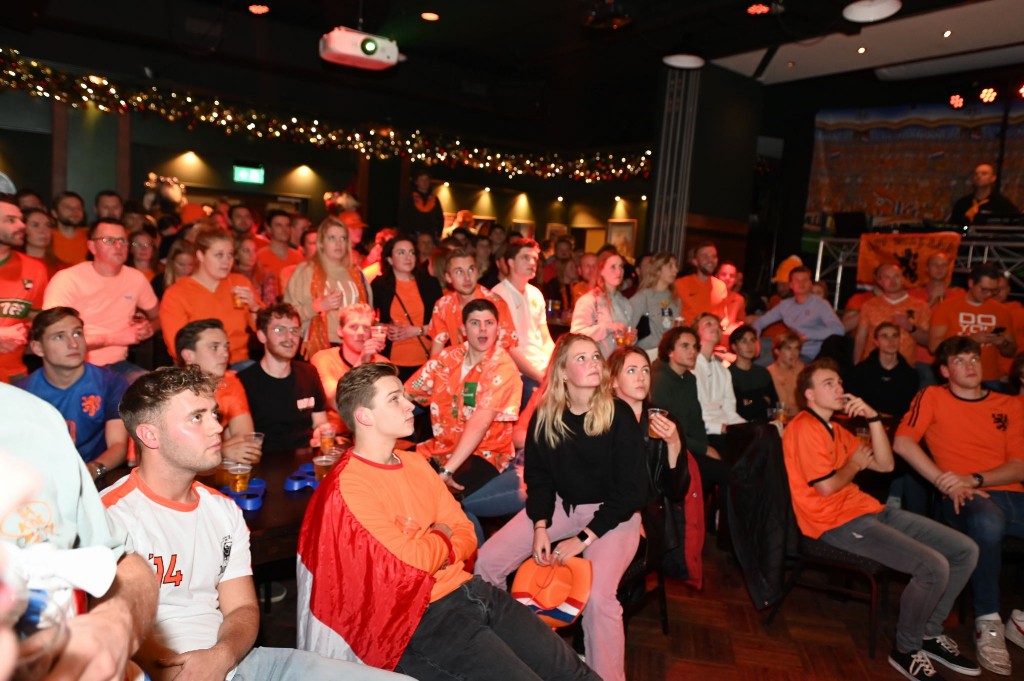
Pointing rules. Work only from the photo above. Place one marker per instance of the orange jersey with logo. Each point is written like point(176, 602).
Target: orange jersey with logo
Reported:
point(961, 317)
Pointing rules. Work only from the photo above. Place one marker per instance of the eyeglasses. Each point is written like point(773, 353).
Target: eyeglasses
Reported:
point(111, 240)
point(141, 244)
point(286, 330)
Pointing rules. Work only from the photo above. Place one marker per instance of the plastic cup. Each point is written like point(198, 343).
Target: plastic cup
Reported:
point(221, 477)
point(650, 418)
point(42, 634)
point(258, 438)
point(327, 435)
point(407, 524)
point(236, 299)
point(864, 435)
point(238, 476)
point(323, 464)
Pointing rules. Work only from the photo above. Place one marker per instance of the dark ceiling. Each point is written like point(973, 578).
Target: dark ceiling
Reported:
point(527, 73)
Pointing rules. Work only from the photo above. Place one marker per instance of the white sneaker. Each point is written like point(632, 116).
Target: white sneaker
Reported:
point(991, 643)
point(1015, 628)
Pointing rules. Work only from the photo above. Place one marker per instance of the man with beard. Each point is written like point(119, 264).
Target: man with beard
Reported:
point(285, 396)
point(702, 292)
point(108, 204)
point(70, 238)
point(116, 302)
point(22, 282)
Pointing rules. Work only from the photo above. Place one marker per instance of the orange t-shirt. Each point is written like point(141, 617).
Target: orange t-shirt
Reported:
point(814, 452)
point(493, 383)
point(880, 309)
point(446, 320)
point(188, 300)
point(414, 351)
point(268, 261)
point(379, 495)
point(858, 300)
point(71, 251)
point(230, 397)
point(22, 282)
point(961, 317)
point(698, 297)
point(967, 436)
point(921, 293)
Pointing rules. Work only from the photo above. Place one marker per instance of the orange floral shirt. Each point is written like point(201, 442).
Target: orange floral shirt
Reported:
point(446, 320)
point(494, 383)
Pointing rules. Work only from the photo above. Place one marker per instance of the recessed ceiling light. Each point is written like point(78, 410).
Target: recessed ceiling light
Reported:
point(868, 11)
point(487, 189)
point(430, 16)
point(683, 61)
point(447, 184)
point(560, 199)
point(643, 197)
point(790, 64)
point(947, 34)
point(618, 198)
point(861, 50)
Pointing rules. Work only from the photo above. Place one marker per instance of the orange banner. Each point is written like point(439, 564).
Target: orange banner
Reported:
point(909, 251)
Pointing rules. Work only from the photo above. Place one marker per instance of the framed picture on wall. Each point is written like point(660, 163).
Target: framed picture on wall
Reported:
point(622, 235)
point(555, 230)
point(524, 228)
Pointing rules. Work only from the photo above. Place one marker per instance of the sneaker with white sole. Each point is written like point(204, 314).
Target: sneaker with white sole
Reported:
point(990, 640)
point(1015, 628)
point(945, 651)
point(914, 666)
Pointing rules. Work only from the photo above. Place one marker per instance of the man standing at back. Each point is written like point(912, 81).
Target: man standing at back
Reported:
point(985, 200)
point(22, 282)
point(197, 544)
point(822, 459)
point(384, 538)
point(116, 302)
point(701, 291)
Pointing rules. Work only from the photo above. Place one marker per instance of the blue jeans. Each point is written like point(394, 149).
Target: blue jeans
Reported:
point(987, 521)
point(938, 558)
point(502, 495)
point(480, 632)
point(287, 664)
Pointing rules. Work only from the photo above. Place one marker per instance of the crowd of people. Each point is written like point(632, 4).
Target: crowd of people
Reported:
point(478, 375)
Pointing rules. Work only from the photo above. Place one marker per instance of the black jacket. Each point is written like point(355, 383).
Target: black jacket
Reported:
point(384, 293)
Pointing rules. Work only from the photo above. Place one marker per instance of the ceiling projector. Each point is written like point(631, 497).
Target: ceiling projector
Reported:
point(349, 47)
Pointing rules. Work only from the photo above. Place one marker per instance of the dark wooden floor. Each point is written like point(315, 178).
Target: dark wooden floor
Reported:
point(717, 634)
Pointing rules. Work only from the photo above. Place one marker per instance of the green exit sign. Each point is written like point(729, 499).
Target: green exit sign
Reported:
point(249, 174)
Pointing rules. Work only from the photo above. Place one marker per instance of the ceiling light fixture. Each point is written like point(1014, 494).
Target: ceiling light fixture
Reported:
point(683, 61)
point(1021, 90)
point(988, 95)
point(560, 199)
point(259, 9)
point(956, 101)
point(758, 8)
point(430, 16)
point(861, 50)
point(870, 11)
point(643, 197)
point(947, 34)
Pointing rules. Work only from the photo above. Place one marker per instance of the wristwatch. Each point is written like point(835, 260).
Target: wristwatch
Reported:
point(979, 478)
point(100, 469)
point(445, 473)
point(585, 538)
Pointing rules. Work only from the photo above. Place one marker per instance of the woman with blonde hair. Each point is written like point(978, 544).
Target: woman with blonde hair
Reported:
point(602, 312)
point(585, 485)
point(324, 285)
point(656, 300)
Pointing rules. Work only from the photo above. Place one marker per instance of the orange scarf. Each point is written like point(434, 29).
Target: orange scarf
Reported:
point(423, 205)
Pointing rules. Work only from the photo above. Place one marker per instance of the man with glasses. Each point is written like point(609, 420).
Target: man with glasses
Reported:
point(446, 321)
point(976, 441)
point(115, 301)
point(978, 316)
point(286, 398)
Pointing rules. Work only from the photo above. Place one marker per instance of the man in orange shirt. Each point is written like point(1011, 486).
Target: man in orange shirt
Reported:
point(382, 553)
point(937, 288)
point(22, 282)
point(474, 392)
point(981, 318)
point(822, 459)
point(446, 320)
point(70, 238)
point(896, 307)
point(976, 440)
point(278, 254)
point(701, 291)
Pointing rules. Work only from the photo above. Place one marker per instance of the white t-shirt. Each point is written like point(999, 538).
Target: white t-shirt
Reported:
point(715, 394)
point(529, 315)
point(105, 303)
point(195, 546)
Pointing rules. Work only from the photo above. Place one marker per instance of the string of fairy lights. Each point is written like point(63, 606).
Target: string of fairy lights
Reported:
point(41, 80)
